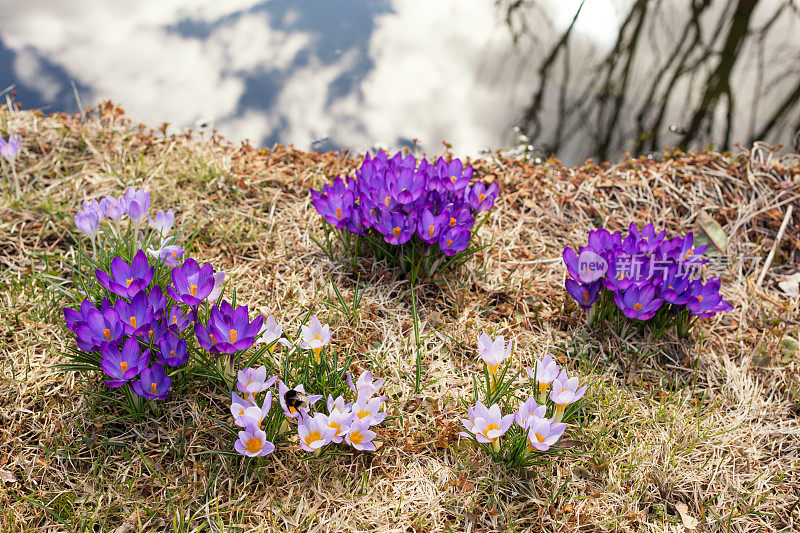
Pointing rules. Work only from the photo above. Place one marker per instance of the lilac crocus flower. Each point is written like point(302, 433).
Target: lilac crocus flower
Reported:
point(487, 425)
point(340, 421)
point(254, 380)
point(543, 433)
point(429, 226)
point(546, 372)
point(228, 330)
point(153, 383)
point(190, 283)
point(9, 149)
point(338, 405)
point(565, 391)
point(252, 442)
point(705, 300)
point(289, 410)
point(314, 432)
point(163, 222)
point(137, 315)
point(251, 412)
point(239, 405)
point(364, 386)
point(127, 279)
point(369, 409)
point(494, 352)
point(112, 207)
point(528, 410)
point(88, 223)
point(454, 240)
point(638, 302)
point(315, 336)
point(272, 333)
point(137, 202)
point(172, 350)
point(585, 294)
point(169, 254)
point(219, 279)
point(359, 436)
point(123, 366)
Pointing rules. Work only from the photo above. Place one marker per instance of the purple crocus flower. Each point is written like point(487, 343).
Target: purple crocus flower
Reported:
point(158, 301)
point(673, 289)
point(397, 228)
point(88, 222)
point(137, 202)
point(585, 294)
point(123, 365)
point(173, 350)
point(454, 240)
point(481, 198)
point(191, 283)
point(97, 328)
point(705, 300)
point(127, 279)
point(334, 208)
point(177, 321)
point(9, 149)
point(638, 301)
point(153, 383)
point(76, 317)
point(137, 315)
point(452, 175)
point(170, 255)
point(429, 226)
point(228, 330)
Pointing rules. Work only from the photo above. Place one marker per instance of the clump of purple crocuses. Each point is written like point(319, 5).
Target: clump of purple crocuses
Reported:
point(347, 422)
point(539, 420)
point(644, 276)
point(425, 212)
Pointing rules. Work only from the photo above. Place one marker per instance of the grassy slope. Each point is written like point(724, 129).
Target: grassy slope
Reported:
point(694, 422)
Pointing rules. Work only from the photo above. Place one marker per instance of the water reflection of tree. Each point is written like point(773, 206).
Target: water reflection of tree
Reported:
point(717, 69)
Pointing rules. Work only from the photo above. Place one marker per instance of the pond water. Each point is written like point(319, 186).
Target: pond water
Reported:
point(579, 79)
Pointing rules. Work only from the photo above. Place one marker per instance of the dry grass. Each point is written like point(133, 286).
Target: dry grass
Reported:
point(710, 423)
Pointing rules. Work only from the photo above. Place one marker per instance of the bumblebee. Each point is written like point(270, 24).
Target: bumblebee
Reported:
point(295, 401)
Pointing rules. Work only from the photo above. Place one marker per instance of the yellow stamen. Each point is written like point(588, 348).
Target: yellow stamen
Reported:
point(688, 253)
point(316, 336)
point(150, 333)
point(453, 222)
point(621, 276)
point(253, 445)
point(241, 412)
point(670, 287)
point(152, 388)
point(363, 413)
point(481, 197)
point(453, 179)
point(312, 437)
point(356, 437)
point(175, 320)
point(124, 366)
point(585, 296)
point(174, 253)
point(133, 321)
point(336, 426)
point(430, 230)
point(292, 410)
point(107, 333)
point(192, 288)
point(637, 306)
point(539, 437)
point(338, 213)
point(129, 281)
point(387, 200)
point(699, 298)
point(213, 340)
point(396, 232)
point(172, 353)
point(233, 335)
point(492, 368)
point(449, 242)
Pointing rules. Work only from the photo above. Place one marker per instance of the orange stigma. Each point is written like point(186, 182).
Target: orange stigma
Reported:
point(637, 306)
